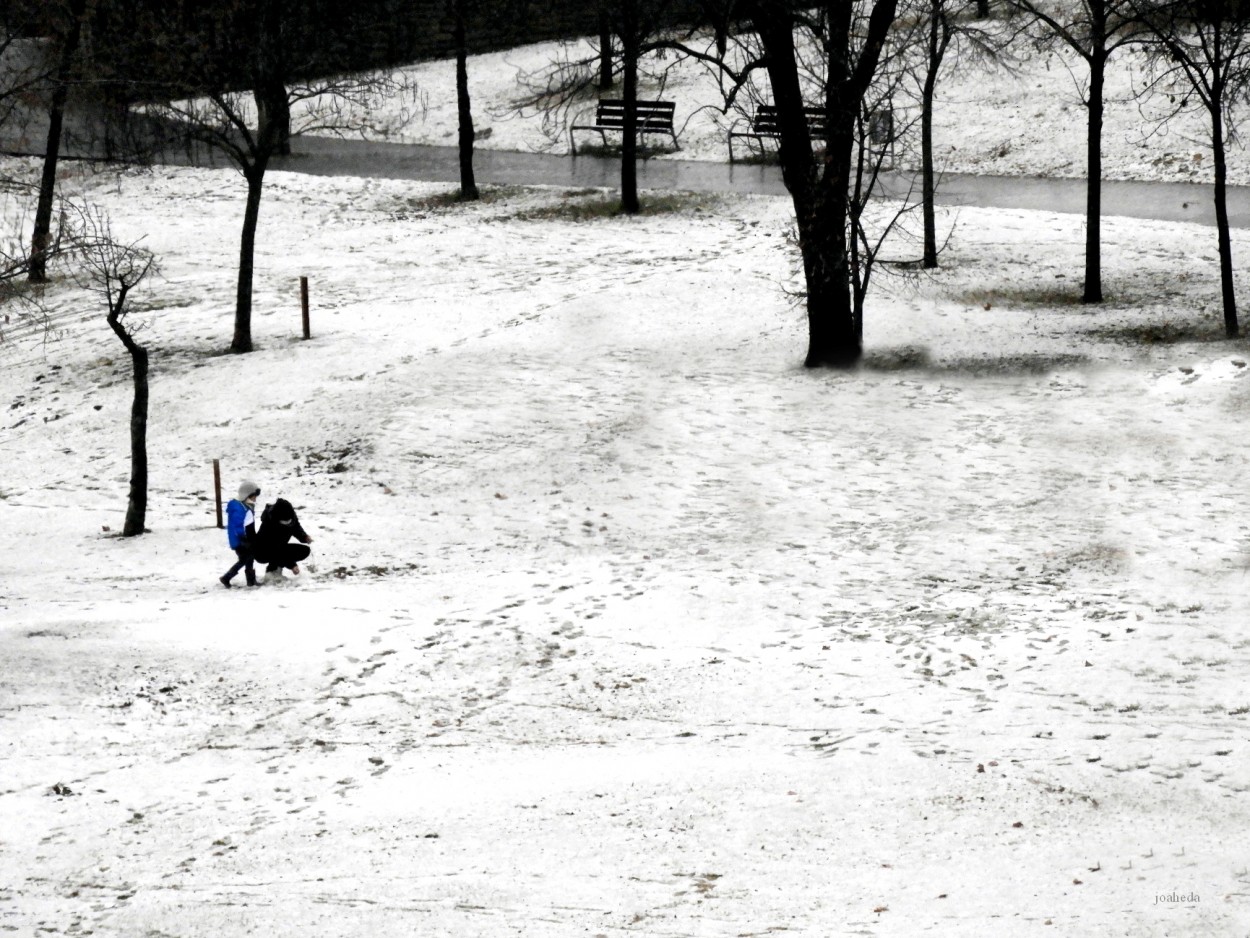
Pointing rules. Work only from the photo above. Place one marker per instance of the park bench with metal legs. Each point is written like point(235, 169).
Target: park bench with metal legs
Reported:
point(766, 125)
point(653, 117)
point(880, 129)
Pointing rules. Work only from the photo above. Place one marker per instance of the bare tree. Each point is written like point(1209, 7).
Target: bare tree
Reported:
point(834, 53)
point(938, 38)
point(1202, 54)
point(83, 240)
point(944, 37)
point(464, 109)
point(1093, 30)
point(632, 31)
point(16, 196)
point(719, 14)
point(848, 57)
point(559, 91)
point(199, 98)
point(846, 39)
point(68, 16)
point(113, 270)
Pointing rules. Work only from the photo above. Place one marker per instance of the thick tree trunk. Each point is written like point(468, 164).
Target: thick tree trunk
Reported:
point(273, 104)
point(283, 122)
point(42, 235)
point(1093, 191)
point(821, 195)
point(1231, 327)
point(468, 184)
point(242, 342)
point(834, 330)
point(821, 201)
point(834, 335)
point(137, 508)
point(275, 109)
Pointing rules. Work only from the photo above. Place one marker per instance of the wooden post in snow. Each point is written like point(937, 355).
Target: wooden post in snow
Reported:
point(217, 489)
point(303, 305)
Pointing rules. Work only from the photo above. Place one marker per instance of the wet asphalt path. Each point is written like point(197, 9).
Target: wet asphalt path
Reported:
point(1164, 201)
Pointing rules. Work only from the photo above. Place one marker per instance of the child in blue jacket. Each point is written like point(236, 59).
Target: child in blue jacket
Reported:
point(241, 531)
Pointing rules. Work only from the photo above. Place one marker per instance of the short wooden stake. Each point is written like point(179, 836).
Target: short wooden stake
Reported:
point(217, 489)
point(303, 305)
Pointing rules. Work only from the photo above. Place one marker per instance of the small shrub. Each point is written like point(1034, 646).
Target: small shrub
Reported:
point(596, 204)
point(1159, 333)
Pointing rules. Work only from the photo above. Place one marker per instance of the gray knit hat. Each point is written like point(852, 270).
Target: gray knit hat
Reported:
point(247, 490)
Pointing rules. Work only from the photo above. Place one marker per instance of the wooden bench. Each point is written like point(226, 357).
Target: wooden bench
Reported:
point(654, 117)
point(766, 124)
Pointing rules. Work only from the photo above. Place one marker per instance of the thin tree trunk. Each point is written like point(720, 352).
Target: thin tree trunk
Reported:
point(242, 342)
point(468, 184)
point(137, 503)
point(605, 49)
point(269, 89)
point(41, 238)
point(137, 508)
point(629, 134)
point(928, 186)
point(1093, 190)
point(1231, 327)
point(42, 234)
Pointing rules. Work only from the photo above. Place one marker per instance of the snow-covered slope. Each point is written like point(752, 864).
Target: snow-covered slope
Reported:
point(618, 620)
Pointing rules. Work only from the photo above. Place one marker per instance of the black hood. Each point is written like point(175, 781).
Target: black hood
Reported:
point(281, 510)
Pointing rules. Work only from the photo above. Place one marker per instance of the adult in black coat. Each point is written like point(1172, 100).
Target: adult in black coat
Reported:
point(278, 524)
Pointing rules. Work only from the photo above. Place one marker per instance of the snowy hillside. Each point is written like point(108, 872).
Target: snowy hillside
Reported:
point(619, 622)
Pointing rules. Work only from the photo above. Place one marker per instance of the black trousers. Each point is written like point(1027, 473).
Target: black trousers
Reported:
point(286, 556)
point(245, 563)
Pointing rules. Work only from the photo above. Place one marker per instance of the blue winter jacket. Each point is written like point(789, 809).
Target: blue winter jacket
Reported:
point(240, 524)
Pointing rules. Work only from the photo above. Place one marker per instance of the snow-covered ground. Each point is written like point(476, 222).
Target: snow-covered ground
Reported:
point(619, 621)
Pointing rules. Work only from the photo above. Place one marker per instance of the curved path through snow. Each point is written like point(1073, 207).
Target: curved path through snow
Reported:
point(1163, 201)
